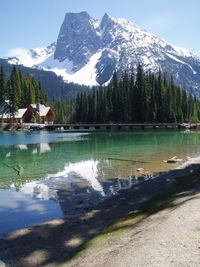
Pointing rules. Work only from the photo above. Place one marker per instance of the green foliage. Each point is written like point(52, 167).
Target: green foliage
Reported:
point(141, 97)
point(2, 85)
point(130, 98)
point(15, 94)
point(20, 90)
point(52, 85)
point(63, 111)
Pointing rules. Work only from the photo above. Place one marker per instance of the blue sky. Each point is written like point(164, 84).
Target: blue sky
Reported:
point(26, 24)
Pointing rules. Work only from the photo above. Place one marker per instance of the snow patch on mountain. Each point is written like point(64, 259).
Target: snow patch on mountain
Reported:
point(51, 63)
point(34, 56)
point(65, 67)
point(180, 61)
point(182, 51)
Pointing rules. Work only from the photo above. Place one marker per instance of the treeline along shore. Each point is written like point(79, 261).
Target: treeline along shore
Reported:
point(135, 97)
point(130, 97)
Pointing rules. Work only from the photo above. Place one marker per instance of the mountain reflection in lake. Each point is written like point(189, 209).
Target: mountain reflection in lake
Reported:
point(48, 175)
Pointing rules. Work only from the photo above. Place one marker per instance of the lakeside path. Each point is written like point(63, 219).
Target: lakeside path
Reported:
point(163, 232)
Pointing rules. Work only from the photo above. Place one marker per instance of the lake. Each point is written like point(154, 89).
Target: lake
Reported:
point(48, 175)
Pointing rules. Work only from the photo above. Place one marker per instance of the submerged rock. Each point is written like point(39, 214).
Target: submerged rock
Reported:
point(140, 169)
point(173, 160)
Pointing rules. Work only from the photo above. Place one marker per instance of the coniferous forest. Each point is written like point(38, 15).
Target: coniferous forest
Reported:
point(21, 90)
point(52, 85)
point(132, 98)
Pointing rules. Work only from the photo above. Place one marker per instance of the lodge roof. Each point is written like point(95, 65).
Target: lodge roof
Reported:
point(42, 110)
point(20, 113)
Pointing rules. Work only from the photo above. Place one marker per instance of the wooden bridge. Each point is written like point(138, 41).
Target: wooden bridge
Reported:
point(110, 126)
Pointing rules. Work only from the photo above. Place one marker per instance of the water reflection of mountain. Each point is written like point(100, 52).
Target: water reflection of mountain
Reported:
point(22, 163)
point(76, 188)
point(72, 191)
point(82, 197)
point(37, 160)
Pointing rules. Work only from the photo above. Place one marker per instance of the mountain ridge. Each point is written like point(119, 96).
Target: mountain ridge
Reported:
point(52, 85)
point(88, 51)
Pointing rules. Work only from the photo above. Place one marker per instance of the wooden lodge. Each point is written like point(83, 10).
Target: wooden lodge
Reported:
point(34, 113)
point(38, 113)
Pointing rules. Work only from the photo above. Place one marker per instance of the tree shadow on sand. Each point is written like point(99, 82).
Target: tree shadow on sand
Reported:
point(58, 241)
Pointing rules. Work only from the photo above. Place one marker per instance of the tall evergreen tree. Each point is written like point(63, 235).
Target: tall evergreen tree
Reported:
point(3, 94)
point(14, 90)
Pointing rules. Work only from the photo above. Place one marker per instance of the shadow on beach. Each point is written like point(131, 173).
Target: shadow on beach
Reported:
point(57, 241)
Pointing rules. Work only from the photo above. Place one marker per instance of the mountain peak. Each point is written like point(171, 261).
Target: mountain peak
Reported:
point(106, 19)
point(88, 51)
point(73, 15)
point(78, 39)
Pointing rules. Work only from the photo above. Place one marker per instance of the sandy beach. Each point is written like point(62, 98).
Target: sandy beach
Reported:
point(162, 235)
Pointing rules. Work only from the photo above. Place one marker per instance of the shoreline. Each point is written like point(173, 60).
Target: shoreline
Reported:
point(161, 232)
point(18, 248)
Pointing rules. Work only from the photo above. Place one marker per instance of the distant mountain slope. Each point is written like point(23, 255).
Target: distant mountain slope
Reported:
point(88, 51)
point(52, 85)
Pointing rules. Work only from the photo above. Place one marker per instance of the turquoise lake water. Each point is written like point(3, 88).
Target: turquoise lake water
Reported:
point(47, 175)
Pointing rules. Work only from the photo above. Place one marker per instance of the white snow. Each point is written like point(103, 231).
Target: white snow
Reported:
point(86, 75)
point(42, 110)
point(22, 147)
point(51, 63)
point(86, 170)
point(36, 189)
point(44, 148)
point(20, 113)
point(182, 51)
point(34, 56)
point(176, 59)
point(35, 151)
point(128, 25)
point(95, 23)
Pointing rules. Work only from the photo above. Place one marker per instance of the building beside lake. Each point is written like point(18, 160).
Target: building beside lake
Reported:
point(40, 114)
point(34, 113)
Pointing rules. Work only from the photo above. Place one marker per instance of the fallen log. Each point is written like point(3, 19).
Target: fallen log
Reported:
point(130, 160)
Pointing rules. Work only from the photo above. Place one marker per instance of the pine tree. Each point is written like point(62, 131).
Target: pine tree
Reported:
point(3, 94)
point(14, 90)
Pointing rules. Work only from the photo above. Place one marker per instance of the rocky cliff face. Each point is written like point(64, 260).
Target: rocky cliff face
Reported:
point(88, 51)
point(78, 39)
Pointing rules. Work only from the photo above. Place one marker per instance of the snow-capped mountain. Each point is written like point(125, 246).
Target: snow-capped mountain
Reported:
point(34, 57)
point(88, 51)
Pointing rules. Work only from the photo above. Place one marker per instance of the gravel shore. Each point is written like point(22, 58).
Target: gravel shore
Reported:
point(170, 238)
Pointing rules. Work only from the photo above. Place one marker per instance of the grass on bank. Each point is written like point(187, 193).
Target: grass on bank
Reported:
point(185, 185)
